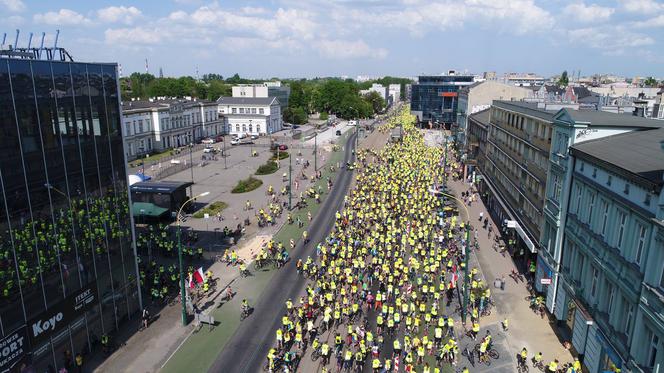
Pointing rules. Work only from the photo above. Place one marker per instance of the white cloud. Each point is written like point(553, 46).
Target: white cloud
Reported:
point(652, 22)
point(420, 17)
point(112, 14)
point(642, 6)
point(137, 35)
point(61, 17)
point(12, 20)
point(608, 39)
point(344, 49)
point(588, 13)
point(13, 5)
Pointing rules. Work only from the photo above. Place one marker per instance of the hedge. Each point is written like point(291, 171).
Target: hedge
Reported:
point(282, 155)
point(212, 209)
point(247, 185)
point(269, 167)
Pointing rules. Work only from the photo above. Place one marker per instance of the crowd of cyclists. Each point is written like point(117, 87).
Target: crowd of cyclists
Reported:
point(384, 288)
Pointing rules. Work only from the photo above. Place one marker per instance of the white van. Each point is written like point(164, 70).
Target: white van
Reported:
point(352, 123)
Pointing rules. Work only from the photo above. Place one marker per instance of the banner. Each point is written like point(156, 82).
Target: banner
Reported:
point(13, 348)
point(59, 316)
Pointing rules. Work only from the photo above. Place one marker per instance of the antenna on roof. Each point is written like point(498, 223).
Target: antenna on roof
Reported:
point(41, 45)
point(4, 38)
point(57, 36)
point(16, 41)
point(30, 41)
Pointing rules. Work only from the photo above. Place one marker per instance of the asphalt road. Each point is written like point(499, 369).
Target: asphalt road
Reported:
point(248, 348)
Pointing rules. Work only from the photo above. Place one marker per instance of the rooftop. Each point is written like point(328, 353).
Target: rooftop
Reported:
point(608, 119)
point(528, 108)
point(481, 117)
point(262, 101)
point(637, 152)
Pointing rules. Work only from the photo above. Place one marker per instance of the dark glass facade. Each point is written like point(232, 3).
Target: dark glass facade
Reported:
point(64, 215)
point(436, 97)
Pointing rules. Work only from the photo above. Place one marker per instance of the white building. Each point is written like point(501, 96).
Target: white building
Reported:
point(156, 125)
point(394, 91)
point(251, 115)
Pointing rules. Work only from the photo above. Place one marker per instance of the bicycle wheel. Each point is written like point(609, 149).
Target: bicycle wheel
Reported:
point(315, 355)
point(493, 354)
point(486, 360)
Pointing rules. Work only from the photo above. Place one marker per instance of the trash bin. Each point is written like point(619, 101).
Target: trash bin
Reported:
point(497, 283)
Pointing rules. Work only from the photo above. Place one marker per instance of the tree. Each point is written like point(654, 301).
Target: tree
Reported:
point(375, 100)
point(217, 88)
point(295, 115)
point(207, 78)
point(564, 80)
point(324, 116)
point(650, 82)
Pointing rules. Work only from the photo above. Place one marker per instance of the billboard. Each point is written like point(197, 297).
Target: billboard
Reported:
point(13, 348)
point(58, 317)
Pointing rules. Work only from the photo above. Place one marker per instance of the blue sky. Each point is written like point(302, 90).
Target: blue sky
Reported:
point(305, 38)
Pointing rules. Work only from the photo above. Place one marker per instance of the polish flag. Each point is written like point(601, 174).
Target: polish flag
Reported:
point(199, 276)
point(396, 363)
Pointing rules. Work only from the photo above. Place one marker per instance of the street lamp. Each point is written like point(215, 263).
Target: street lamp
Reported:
point(182, 288)
point(191, 165)
point(464, 309)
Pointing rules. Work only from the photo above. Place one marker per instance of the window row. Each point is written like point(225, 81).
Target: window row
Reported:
point(252, 110)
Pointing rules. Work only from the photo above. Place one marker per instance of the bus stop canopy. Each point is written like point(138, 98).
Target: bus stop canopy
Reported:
point(148, 210)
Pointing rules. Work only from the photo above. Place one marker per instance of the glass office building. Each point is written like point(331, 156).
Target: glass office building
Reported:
point(435, 98)
point(67, 265)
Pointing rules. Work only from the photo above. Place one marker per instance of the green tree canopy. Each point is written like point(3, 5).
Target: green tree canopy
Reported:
point(564, 80)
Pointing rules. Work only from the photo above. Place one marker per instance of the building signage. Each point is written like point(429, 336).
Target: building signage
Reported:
point(13, 348)
point(448, 94)
point(545, 281)
point(59, 316)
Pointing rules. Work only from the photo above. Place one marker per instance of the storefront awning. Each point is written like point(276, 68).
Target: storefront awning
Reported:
point(148, 210)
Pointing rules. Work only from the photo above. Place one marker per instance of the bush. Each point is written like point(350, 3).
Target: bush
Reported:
point(281, 154)
point(324, 115)
point(247, 185)
point(269, 167)
point(212, 209)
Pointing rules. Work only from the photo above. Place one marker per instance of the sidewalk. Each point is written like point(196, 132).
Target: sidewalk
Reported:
point(525, 327)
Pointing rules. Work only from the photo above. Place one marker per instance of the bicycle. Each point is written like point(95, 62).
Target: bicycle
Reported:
point(522, 367)
point(315, 354)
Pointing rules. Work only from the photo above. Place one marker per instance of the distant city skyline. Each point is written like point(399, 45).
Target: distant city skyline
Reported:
point(308, 38)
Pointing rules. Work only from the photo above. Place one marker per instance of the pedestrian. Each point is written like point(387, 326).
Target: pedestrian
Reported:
point(79, 362)
point(145, 317)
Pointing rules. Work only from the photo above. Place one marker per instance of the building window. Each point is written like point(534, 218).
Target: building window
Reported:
point(605, 216)
point(628, 319)
point(646, 201)
point(258, 128)
point(594, 173)
point(581, 167)
point(626, 190)
point(578, 199)
point(593, 285)
point(641, 243)
point(590, 209)
point(237, 128)
point(251, 128)
point(234, 110)
point(661, 279)
point(261, 111)
point(652, 349)
point(244, 127)
point(253, 110)
point(608, 180)
point(622, 219)
point(241, 110)
point(609, 306)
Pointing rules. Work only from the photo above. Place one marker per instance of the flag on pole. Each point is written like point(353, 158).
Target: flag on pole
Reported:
point(199, 276)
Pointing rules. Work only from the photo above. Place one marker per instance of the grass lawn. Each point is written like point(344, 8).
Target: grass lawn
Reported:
point(212, 209)
point(153, 158)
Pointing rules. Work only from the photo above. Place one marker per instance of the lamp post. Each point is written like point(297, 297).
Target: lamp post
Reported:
point(182, 288)
point(191, 166)
point(223, 139)
point(316, 151)
point(464, 309)
point(290, 177)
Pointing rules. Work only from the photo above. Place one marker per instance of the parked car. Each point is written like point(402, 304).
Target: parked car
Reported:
point(338, 133)
point(241, 136)
point(219, 138)
point(283, 147)
point(208, 149)
point(254, 137)
point(235, 141)
point(207, 141)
